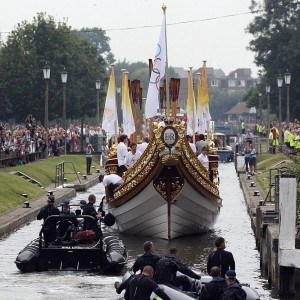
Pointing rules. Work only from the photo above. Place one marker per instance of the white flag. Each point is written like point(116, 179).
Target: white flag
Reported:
point(128, 121)
point(110, 118)
point(192, 120)
point(158, 72)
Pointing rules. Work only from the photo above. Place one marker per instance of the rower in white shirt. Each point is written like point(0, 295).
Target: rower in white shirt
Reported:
point(132, 156)
point(142, 147)
point(192, 145)
point(122, 152)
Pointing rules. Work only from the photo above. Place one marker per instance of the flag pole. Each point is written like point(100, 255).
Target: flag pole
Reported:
point(193, 122)
point(164, 8)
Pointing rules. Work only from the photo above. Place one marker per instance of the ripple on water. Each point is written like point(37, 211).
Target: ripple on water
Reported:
point(233, 224)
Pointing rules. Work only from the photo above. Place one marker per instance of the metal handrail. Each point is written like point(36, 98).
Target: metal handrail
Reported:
point(60, 173)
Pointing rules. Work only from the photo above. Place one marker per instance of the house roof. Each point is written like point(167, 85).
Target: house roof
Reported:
point(239, 109)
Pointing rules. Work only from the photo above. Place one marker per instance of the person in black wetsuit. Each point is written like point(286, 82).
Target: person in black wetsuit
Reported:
point(149, 258)
point(167, 267)
point(140, 287)
point(220, 258)
point(234, 290)
point(214, 289)
point(49, 228)
point(89, 210)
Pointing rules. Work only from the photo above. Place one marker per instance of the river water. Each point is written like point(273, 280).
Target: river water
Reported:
point(233, 224)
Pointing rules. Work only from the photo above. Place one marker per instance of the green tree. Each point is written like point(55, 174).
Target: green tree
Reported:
point(25, 53)
point(97, 37)
point(220, 102)
point(5, 106)
point(276, 43)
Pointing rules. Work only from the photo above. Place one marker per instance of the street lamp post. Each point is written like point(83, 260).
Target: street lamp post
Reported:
point(260, 111)
point(98, 86)
point(268, 89)
point(287, 80)
point(46, 73)
point(64, 77)
point(279, 84)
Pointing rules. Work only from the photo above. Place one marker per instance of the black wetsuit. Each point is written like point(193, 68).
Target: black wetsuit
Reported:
point(91, 224)
point(49, 227)
point(166, 269)
point(147, 259)
point(214, 289)
point(222, 259)
point(140, 287)
point(234, 292)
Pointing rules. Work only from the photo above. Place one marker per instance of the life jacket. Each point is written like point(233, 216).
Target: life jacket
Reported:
point(274, 133)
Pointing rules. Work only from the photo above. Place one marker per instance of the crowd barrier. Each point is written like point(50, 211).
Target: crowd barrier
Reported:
point(13, 157)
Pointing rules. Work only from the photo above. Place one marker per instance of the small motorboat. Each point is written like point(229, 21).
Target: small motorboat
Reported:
point(73, 249)
point(177, 294)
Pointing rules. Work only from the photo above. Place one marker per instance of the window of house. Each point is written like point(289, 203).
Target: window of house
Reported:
point(241, 83)
point(214, 82)
point(231, 83)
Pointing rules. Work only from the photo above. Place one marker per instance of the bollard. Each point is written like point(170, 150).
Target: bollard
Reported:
point(256, 193)
point(25, 195)
point(50, 193)
point(261, 202)
point(93, 167)
point(84, 176)
point(252, 184)
point(249, 177)
point(78, 172)
point(97, 171)
point(65, 179)
point(26, 204)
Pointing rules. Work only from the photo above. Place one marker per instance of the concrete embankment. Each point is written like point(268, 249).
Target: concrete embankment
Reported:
point(265, 224)
point(21, 215)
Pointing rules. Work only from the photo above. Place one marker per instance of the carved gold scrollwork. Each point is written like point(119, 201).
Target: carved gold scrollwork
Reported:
point(161, 186)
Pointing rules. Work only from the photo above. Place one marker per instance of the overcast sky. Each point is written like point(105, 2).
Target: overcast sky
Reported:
point(221, 41)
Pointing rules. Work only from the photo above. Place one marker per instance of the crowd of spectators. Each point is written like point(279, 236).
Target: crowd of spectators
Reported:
point(25, 143)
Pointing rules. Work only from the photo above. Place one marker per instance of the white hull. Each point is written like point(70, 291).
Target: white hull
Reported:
point(147, 214)
point(168, 193)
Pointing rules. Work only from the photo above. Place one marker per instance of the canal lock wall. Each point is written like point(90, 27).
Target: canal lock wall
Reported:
point(24, 214)
point(285, 281)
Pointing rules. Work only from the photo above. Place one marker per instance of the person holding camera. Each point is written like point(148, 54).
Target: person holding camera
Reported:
point(89, 156)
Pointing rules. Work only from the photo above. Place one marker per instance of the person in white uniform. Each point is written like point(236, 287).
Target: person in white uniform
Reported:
point(110, 182)
point(132, 156)
point(122, 152)
point(203, 158)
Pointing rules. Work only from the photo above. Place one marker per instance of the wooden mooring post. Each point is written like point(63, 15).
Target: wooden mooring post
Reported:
point(288, 255)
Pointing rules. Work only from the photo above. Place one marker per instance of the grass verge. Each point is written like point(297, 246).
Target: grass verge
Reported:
point(12, 186)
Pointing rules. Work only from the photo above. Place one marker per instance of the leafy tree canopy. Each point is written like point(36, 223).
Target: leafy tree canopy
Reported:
point(220, 102)
point(276, 43)
point(25, 53)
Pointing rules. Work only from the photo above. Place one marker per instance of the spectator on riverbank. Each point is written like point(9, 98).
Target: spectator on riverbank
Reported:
point(220, 258)
point(247, 152)
point(89, 156)
point(252, 159)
